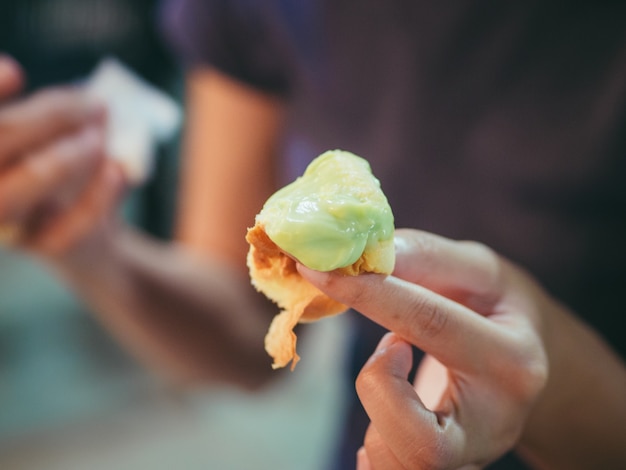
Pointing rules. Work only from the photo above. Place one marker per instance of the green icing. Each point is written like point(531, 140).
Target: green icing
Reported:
point(327, 217)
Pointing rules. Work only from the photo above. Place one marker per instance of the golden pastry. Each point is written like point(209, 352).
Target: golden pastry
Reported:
point(334, 217)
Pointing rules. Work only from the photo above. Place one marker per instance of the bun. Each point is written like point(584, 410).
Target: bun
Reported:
point(335, 212)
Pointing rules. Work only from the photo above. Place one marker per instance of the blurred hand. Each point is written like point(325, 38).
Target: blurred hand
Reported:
point(56, 187)
point(479, 321)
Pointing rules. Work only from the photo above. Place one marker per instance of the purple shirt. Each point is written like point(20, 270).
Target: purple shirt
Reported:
point(503, 122)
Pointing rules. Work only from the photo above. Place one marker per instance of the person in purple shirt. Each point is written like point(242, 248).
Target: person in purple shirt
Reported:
point(498, 123)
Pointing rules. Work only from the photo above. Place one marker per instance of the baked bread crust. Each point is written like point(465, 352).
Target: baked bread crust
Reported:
point(274, 273)
point(334, 217)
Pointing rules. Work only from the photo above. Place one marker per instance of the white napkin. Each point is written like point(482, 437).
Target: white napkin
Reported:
point(140, 116)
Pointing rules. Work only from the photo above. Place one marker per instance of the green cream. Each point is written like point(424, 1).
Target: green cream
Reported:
point(331, 214)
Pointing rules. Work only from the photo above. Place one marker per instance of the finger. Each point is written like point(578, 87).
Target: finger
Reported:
point(449, 331)
point(465, 271)
point(49, 173)
point(11, 77)
point(414, 435)
point(60, 234)
point(362, 460)
point(31, 123)
point(376, 454)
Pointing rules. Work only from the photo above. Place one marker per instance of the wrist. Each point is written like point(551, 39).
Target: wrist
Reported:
point(91, 254)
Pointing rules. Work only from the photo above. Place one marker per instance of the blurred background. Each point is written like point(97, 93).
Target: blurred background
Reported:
point(70, 398)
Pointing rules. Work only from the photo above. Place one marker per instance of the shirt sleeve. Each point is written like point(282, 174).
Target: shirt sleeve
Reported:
point(234, 36)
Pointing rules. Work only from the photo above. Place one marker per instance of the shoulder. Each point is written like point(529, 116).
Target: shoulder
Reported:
point(241, 38)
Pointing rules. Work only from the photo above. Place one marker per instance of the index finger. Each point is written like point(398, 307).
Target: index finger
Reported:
point(34, 121)
point(457, 336)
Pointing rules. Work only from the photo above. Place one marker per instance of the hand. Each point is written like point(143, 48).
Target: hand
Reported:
point(478, 320)
point(56, 187)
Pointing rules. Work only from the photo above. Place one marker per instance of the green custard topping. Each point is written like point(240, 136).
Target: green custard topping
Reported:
point(330, 215)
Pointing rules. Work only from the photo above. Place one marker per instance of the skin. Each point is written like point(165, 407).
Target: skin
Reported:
point(503, 369)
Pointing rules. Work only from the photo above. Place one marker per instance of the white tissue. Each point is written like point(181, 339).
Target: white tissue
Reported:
point(139, 117)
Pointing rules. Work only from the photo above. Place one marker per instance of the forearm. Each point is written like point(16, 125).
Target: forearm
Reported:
point(580, 420)
point(194, 319)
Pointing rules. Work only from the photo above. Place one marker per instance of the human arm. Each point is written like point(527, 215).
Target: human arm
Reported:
point(188, 308)
point(579, 421)
point(175, 308)
point(500, 354)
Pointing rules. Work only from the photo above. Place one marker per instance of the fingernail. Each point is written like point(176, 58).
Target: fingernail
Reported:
point(400, 244)
point(394, 354)
point(362, 461)
point(387, 340)
point(315, 277)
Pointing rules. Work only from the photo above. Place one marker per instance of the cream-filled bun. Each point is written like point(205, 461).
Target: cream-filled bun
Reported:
point(333, 217)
